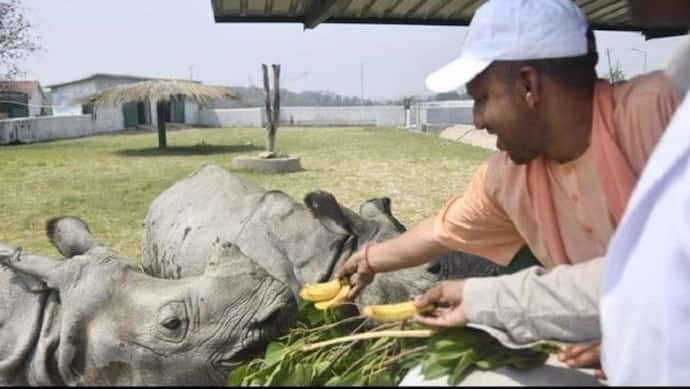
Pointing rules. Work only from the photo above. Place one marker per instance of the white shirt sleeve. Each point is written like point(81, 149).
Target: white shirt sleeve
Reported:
point(561, 304)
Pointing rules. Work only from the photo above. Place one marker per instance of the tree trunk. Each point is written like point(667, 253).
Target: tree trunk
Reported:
point(272, 110)
point(161, 112)
point(276, 99)
point(269, 112)
point(270, 142)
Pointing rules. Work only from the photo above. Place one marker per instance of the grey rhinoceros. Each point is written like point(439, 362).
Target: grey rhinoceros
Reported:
point(296, 243)
point(92, 319)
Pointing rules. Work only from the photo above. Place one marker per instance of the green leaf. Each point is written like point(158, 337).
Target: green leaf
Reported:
point(301, 374)
point(352, 379)
point(333, 381)
point(236, 377)
point(528, 361)
point(548, 348)
point(321, 366)
point(313, 316)
point(279, 375)
point(435, 371)
point(381, 379)
point(450, 355)
point(492, 361)
point(260, 376)
point(462, 368)
point(275, 352)
point(433, 368)
point(410, 362)
point(442, 343)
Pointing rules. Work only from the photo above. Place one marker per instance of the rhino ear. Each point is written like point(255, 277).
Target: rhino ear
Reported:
point(70, 235)
point(338, 219)
point(380, 208)
point(44, 268)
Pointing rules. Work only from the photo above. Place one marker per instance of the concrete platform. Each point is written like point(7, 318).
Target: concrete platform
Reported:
point(287, 164)
point(470, 135)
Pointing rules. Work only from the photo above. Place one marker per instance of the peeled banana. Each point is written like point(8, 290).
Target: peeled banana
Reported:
point(320, 292)
point(394, 312)
point(335, 301)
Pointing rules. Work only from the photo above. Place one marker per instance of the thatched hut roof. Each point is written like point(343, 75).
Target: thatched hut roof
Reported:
point(158, 90)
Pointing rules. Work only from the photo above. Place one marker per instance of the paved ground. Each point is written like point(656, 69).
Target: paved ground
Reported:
point(470, 135)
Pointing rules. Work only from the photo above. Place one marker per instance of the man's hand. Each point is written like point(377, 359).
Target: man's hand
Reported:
point(447, 297)
point(586, 355)
point(357, 266)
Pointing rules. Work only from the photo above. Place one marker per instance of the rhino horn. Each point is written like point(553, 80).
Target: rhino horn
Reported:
point(227, 259)
point(70, 235)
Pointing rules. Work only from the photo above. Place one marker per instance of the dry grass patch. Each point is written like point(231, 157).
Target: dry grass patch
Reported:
point(110, 180)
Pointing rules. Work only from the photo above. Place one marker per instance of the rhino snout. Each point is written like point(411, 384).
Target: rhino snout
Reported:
point(277, 311)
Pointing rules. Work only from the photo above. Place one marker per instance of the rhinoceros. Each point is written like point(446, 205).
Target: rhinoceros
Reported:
point(296, 243)
point(93, 319)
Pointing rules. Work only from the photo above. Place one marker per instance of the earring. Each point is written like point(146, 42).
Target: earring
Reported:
point(528, 97)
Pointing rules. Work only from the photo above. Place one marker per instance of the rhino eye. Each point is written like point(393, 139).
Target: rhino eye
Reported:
point(172, 324)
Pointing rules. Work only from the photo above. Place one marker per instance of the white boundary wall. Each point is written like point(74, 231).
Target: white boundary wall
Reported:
point(36, 129)
point(386, 115)
point(28, 130)
point(434, 116)
point(234, 117)
point(380, 116)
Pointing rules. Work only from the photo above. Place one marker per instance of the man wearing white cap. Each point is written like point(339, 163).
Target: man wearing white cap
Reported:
point(572, 148)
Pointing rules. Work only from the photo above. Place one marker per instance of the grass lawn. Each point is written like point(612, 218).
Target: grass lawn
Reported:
point(110, 180)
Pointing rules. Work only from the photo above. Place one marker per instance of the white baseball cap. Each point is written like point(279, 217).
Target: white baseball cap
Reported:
point(514, 30)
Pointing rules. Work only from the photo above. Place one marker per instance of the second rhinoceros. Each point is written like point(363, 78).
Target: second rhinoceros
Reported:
point(93, 319)
point(297, 243)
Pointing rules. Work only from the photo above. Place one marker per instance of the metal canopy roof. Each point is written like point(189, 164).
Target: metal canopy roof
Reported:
point(602, 14)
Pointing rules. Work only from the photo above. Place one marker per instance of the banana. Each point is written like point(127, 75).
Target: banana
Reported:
point(335, 301)
point(394, 312)
point(323, 291)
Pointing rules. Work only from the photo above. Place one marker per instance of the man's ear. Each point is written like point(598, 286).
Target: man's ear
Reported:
point(334, 217)
point(529, 84)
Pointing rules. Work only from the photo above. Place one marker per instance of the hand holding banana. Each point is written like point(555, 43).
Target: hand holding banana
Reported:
point(358, 264)
point(447, 297)
point(440, 306)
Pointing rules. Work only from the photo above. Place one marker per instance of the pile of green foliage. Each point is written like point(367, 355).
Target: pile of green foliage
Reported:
point(382, 361)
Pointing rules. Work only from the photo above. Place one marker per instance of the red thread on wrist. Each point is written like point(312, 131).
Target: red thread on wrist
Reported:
point(366, 258)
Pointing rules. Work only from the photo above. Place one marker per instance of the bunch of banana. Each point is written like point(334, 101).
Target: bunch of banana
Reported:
point(394, 312)
point(326, 294)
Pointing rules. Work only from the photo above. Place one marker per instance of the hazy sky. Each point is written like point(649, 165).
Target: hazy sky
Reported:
point(168, 38)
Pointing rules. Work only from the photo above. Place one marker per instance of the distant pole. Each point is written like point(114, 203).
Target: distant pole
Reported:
point(361, 81)
point(191, 69)
point(608, 54)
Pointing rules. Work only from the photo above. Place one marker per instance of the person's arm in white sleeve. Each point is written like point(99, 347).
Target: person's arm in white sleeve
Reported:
point(560, 304)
